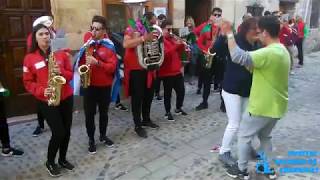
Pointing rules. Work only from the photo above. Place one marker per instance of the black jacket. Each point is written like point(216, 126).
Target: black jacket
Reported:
point(237, 79)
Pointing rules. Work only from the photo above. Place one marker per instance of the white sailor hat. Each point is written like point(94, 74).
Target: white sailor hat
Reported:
point(45, 20)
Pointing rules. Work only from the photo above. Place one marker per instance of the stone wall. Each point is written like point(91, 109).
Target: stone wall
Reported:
point(178, 13)
point(74, 18)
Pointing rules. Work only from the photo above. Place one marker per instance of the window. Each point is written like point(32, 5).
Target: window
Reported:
point(116, 16)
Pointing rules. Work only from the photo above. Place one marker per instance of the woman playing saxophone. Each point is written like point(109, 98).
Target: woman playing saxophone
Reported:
point(39, 69)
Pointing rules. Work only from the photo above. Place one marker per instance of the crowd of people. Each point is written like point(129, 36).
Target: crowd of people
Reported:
point(257, 58)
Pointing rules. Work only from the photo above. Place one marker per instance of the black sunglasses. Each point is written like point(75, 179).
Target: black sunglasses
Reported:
point(95, 28)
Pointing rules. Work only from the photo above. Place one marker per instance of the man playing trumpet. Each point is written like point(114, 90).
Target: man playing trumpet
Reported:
point(170, 71)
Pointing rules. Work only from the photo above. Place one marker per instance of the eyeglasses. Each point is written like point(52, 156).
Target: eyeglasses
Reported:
point(217, 15)
point(95, 28)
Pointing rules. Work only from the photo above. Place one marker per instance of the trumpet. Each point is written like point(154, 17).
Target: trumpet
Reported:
point(185, 42)
point(179, 39)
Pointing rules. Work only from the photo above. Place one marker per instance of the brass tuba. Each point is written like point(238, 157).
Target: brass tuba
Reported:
point(151, 53)
point(55, 82)
point(84, 70)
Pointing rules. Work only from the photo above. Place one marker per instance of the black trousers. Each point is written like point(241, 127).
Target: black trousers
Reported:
point(141, 96)
point(200, 80)
point(218, 67)
point(176, 83)
point(118, 99)
point(157, 84)
point(200, 68)
point(40, 116)
point(93, 97)
point(299, 45)
point(4, 129)
point(205, 79)
point(59, 119)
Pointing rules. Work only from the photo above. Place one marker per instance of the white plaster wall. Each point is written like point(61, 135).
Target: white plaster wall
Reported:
point(75, 18)
point(233, 10)
point(178, 13)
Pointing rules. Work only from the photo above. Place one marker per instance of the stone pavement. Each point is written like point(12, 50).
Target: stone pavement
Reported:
point(178, 150)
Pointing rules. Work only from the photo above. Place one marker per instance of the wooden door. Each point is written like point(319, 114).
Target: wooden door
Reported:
point(16, 17)
point(116, 15)
point(198, 9)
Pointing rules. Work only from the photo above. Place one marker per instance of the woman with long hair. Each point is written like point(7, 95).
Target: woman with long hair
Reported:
point(35, 79)
point(191, 39)
point(236, 87)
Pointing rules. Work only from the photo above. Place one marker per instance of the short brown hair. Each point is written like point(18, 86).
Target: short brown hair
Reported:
point(166, 22)
point(100, 19)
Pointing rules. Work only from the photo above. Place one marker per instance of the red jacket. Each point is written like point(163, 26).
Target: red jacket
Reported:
point(205, 39)
point(172, 64)
point(197, 30)
point(101, 74)
point(35, 74)
point(130, 57)
point(300, 29)
point(285, 36)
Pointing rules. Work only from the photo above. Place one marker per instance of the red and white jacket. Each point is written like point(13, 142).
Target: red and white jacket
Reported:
point(35, 74)
point(102, 73)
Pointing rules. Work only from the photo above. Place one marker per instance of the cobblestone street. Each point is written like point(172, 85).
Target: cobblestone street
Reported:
point(178, 150)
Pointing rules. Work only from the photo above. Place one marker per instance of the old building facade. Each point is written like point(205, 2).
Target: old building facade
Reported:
point(74, 16)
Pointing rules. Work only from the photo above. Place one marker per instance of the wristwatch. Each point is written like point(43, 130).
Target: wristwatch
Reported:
point(230, 36)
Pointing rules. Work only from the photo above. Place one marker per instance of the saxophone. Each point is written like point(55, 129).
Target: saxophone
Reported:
point(84, 70)
point(209, 58)
point(55, 82)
